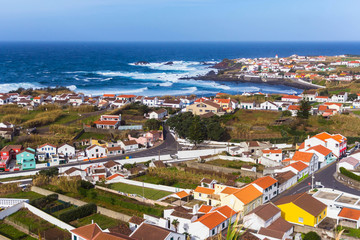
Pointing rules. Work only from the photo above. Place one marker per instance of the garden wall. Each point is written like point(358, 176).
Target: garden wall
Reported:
point(11, 210)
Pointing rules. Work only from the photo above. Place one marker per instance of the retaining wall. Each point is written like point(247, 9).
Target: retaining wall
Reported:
point(347, 181)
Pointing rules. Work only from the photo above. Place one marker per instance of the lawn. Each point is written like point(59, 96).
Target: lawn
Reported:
point(99, 136)
point(103, 221)
point(114, 202)
point(12, 233)
point(131, 189)
point(14, 178)
point(234, 164)
point(23, 195)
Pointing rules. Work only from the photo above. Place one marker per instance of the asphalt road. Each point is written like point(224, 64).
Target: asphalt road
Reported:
point(169, 146)
point(327, 179)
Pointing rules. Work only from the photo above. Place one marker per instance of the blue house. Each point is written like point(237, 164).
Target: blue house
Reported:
point(26, 159)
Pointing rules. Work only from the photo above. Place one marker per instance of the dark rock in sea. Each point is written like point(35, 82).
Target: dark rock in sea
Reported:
point(142, 63)
point(205, 63)
point(169, 63)
point(211, 73)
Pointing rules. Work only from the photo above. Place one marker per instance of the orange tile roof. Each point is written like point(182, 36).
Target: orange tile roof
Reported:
point(338, 137)
point(126, 96)
point(272, 151)
point(205, 208)
point(321, 149)
point(114, 176)
point(337, 104)
point(88, 231)
point(45, 144)
point(321, 97)
point(106, 122)
point(212, 219)
point(265, 182)
point(286, 160)
point(291, 96)
point(182, 194)
point(109, 95)
point(226, 211)
point(302, 156)
point(323, 108)
point(229, 190)
point(350, 213)
point(302, 146)
point(204, 190)
point(247, 194)
point(294, 107)
point(324, 136)
point(299, 166)
point(220, 100)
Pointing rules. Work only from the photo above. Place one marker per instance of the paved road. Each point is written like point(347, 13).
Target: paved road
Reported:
point(327, 179)
point(169, 146)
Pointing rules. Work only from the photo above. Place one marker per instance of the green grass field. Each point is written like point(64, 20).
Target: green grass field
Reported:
point(24, 195)
point(148, 192)
point(103, 221)
point(12, 233)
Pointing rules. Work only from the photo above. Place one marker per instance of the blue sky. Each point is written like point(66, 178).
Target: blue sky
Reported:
point(179, 20)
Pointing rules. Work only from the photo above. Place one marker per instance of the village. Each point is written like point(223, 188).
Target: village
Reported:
point(201, 191)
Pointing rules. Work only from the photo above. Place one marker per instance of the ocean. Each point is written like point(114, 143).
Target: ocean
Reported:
point(97, 68)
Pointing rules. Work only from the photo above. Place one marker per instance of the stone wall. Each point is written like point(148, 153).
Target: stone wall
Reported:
point(347, 181)
point(101, 210)
point(208, 167)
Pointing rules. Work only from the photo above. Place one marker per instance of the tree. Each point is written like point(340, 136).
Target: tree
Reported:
point(352, 97)
point(175, 223)
point(312, 236)
point(152, 124)
point(197, 131)
point(304, 111)
point(286, 113)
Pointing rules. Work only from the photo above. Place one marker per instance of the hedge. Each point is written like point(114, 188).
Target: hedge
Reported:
point(79, 212)
point(349, 174)
point(44, 201)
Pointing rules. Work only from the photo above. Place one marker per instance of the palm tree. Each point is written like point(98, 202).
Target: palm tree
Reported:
point(175, 223)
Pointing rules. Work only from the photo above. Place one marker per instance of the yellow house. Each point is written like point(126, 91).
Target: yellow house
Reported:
point(207, 195)
point(96, 142)
point(302, 209)
point(207, 106)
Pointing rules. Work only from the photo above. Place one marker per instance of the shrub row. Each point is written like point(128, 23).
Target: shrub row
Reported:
point(44, 201)
point(349, 174)
point(79, 212)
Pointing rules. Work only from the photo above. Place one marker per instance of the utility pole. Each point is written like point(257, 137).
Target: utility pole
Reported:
point(143, 192)
point(312, 181)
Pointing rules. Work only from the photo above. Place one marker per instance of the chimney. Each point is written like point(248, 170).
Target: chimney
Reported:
point(308, 136)
point(92, 221)
point(195, 209)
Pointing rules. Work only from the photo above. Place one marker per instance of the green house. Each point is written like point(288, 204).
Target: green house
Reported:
point(26, 159)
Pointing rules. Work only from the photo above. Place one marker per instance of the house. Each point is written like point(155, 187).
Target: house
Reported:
point(291, 98)
point(268, 105)
point(302, 209)
point(273, 154)
point(321, 99)
point(73, 172)
point(108, 121)
point(286, 180)
point(112, 166)
point(200, 108)
point(76, 100)
point(340, 97)
point(151, 101)
point(293, 109)
point(158, 114)
point(4, 100)
point(8, 153)
point(172, 103)
point(7, 133)
point(95, 151)
point(26, 159)
point(66, 150)
point(335, 142)
point(130, 98)
point(309, 95)
point(247, 105)
point(139, 99)
point(129, 146)
point(152, 232)
point(266, 220)
point(338, 107)
point(182, 195)
point(135, 222)
point(205, 194)
point(228, 105)
point(96, 172)
point(349, 163)
point(47, 149)
point(268, 186)
point(349, 216)
point(6, 125)
point(112, 151)
point(119, 103)
point(187, 100)
point(94, 232)
point(310, 159)
point(299, 168)
point(208, 183)
point(325, 155)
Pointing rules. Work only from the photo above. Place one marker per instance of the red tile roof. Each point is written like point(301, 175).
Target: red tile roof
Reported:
point(212, 219)
point(204, 190)
point(302, 156)
point(350, 213)
point(247, 194)
point(299, 166)
point(321, 149)
point(265, 182)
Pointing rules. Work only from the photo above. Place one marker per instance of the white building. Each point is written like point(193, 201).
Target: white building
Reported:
point(268, 105)
point(129, 146)
point(47, 149)
point(285, 180)
point(325, 155)
point(66, 150)
point(247, 105)
point(349, 163)
point(273, 154)
point(150, 101)
point(95, 151)
point(158, 114)
point(268, 186)
point(335, 142)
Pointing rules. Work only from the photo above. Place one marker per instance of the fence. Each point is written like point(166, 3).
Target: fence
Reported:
point(20, 227)
point(130, 127)
point(101, 210)
point(134, 196)
point(148, 185)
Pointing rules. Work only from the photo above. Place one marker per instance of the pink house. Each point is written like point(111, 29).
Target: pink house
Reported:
point(149, 138)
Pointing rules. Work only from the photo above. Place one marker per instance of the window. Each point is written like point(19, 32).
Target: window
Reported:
point(274, 193)
point(223, 225)
point(199, 194)
point(266, 198)
point(213, 232)
point(171, 238)
point(75, 237)
point(301, 220)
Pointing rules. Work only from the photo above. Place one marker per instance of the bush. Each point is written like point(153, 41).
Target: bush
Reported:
point(349, 174)
point(44, 201)
point(54, 171)
point(77, 213)
point(312, 236)
point(86, 185)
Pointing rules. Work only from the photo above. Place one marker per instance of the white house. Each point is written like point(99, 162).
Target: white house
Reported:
point(76, 100)
point(152, 232)
point(119, 103)
point(290, 98)
point(299, 168)
point(108, 121)
point(309, 158)
point(335, 142)
point(285, 180)
point(309, 95)
point(172, 103)
point(268, 105)
point(47, 149)
point(325, 155)
point(4, 100)
point(321, 99)
point(95, 151)
point(150, 101)
point(340, 97)
point(158, 114)
point(247, 105)
point(66, 150)
point(129, 146)
point(349, 163)
point(273, 154)
point(268, 186)
point(93, 232)
point(72, 172)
